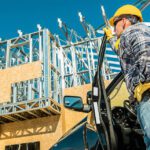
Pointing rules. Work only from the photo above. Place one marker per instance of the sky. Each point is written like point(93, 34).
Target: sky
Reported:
point(26, 14)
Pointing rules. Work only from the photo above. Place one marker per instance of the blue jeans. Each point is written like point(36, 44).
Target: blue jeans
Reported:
point(143, 115)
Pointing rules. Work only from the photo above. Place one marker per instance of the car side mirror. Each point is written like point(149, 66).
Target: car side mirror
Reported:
point(73, 102)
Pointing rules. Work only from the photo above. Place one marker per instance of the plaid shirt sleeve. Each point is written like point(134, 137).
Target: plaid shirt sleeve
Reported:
point(112, 43)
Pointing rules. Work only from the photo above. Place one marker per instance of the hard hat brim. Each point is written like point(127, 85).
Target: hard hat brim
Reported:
point(126, 10)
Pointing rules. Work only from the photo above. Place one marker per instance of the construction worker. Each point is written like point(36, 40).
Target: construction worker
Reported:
point(132, 44)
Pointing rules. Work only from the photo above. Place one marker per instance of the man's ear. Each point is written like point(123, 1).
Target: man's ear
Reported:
point(126, 23)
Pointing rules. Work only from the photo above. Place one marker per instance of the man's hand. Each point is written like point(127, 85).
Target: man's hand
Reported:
point(108, 32)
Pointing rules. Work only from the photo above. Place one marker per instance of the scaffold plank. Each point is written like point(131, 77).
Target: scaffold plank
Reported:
point(33, 114)
point(19, 115)
point(10, 118)
point(28, 110)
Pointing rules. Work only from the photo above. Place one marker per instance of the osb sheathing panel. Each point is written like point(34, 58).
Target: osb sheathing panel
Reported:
point(48, 130)
point(17, 74)
point(73, 117)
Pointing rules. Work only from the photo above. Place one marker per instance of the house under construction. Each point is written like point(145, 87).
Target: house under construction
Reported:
point(36, 71)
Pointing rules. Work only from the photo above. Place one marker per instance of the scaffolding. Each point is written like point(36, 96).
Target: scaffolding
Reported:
point(31, 98)
point(65, 63)
point(62, 66)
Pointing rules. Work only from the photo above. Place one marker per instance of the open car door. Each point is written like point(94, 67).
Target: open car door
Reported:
point(100, 102)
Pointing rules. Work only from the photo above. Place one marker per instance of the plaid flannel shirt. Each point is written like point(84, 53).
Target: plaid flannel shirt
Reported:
point(134, 53)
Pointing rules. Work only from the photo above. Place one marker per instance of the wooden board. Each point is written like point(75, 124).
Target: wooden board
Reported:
point(17, 74)
point(48, 130)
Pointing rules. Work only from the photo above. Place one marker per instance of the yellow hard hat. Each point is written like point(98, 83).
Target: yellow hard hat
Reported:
point(126, 10)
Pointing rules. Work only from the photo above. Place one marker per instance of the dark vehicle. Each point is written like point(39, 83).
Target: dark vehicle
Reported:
point(117, 128)
point(82, 136)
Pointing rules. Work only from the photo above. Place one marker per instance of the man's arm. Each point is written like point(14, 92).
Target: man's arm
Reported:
point(111, 38)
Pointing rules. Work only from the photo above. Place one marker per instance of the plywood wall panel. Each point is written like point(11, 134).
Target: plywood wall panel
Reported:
point(17, 74)
point(48, 130)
